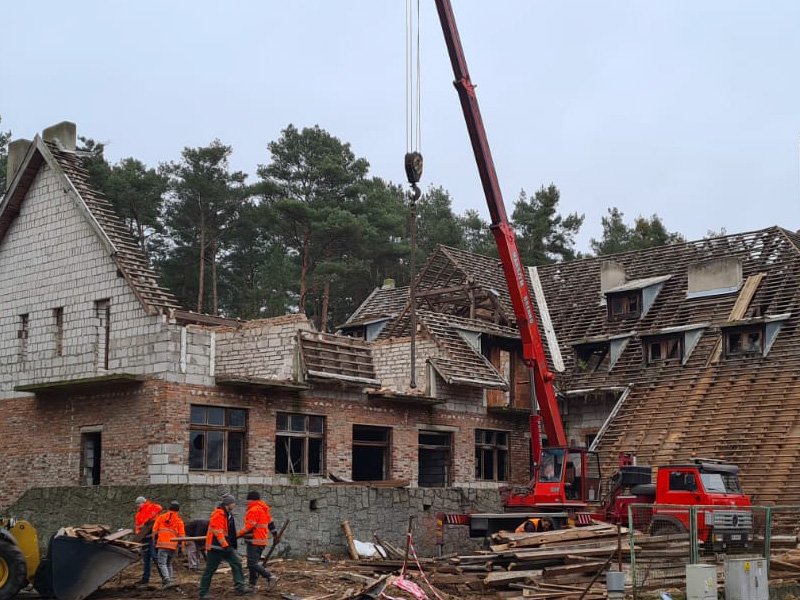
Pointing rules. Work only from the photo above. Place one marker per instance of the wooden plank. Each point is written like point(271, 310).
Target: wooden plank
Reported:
point(502, 578)
point(348, 534)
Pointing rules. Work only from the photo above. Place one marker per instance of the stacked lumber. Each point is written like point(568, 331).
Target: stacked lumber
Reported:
point(100, 533)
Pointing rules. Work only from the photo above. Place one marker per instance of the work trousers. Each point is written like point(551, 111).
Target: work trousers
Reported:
point(164, 562)
point(254, 565)
point(191, 554)
point(213, 558)
point(148, 555)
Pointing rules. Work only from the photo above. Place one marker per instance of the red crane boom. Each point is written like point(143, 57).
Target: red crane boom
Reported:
point(533, 354)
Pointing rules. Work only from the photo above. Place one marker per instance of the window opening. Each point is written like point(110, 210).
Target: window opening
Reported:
point(623, 306)
point(22, 335)
point(744, 341)
point(491, 455)
point(371, 453)
point(103, 313)
point(590, 357)
point(663, 349)
point(217, 438)
point(434, 458)
point(299, 444)
point(91, 448)
point(58, 316)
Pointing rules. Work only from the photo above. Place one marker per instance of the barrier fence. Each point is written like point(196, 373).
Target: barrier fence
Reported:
point(663, 539)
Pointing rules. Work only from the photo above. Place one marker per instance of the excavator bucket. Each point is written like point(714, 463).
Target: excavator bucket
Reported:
point(79, 566)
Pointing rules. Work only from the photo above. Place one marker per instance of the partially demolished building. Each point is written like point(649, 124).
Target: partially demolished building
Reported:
point(105, 379)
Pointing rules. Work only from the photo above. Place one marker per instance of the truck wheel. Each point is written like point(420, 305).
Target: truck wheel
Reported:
point(13, 570)
point(665, 528)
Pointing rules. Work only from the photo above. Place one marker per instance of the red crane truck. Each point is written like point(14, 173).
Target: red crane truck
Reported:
point(567, 479)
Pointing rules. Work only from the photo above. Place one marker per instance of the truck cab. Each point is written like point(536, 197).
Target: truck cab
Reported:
point(704, 483)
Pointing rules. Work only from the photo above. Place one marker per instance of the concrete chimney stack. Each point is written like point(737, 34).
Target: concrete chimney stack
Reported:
point(64, 134)
point(16, 154)
point(388, 284)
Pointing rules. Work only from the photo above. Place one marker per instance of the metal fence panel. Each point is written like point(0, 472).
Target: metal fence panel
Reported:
point(666, 538)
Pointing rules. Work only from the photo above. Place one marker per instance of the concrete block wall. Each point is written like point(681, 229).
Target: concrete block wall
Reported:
point(264, 349)
point(316, 512)
point(51, 258)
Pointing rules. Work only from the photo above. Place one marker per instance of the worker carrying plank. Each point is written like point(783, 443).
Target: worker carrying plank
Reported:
point(258, 525)
point(143, 524)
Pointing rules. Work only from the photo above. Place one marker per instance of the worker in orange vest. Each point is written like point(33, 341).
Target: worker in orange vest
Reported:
point(166, 528)
point(221, 545)
point(533, 525)
point(257, 527)
point(143, 524)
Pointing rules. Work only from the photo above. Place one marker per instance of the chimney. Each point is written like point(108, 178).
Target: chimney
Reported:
point(612, 274)
point(719, 276)
point(388, 284)
point(64, 134)
point(16, 154)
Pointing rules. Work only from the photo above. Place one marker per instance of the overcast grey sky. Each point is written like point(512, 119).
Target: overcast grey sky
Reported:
point(683, 108)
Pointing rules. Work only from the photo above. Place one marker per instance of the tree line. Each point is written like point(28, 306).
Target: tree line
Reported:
point(315, 233)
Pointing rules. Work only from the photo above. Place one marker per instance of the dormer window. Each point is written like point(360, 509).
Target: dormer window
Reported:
point(624, 306)
point(632, 299)
point(663, 349)
point(744, 341)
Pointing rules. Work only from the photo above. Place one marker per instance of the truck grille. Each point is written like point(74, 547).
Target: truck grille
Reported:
point(730, 519)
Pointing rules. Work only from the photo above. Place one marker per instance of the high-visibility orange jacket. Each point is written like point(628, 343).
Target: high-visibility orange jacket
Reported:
point(147, 512)
point(218, 533)
point(257, 522)
point(535, 525)
point(168, 526)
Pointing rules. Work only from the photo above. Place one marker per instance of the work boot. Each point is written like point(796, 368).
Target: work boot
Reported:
point(167, 584)
point(272, 581)
point(206, 596)
point(245, 591)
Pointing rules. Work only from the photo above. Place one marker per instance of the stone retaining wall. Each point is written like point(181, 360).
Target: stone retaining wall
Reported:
point(316, 512)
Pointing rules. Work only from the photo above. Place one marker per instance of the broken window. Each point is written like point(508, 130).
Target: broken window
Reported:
point(371, 453)
point(102, 309)
point(591, 357)
point(434, 458)
point(491, 455)
point(216, 438)
point(742, 341)
point(58, 317)
point(299, 443)
point(663, 349)
point(90, 457)
point(624, 305)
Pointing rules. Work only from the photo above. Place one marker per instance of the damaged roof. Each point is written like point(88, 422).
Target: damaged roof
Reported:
point(745, 407)
point(339, 358)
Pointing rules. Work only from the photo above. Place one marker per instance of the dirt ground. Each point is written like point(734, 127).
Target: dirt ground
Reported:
point(315, 579)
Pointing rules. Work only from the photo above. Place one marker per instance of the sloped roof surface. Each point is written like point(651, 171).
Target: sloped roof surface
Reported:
point(461, 363)
point(129, 257)
point(745, 408)
point(382, 302)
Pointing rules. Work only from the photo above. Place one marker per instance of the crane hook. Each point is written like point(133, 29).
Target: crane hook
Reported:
point(415, 193)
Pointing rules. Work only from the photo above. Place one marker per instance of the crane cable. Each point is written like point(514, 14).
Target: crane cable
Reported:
point(413, 159)
point(413, 164)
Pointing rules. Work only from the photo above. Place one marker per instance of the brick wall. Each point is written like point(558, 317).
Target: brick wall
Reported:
point(315, 512)
point(145, 435)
